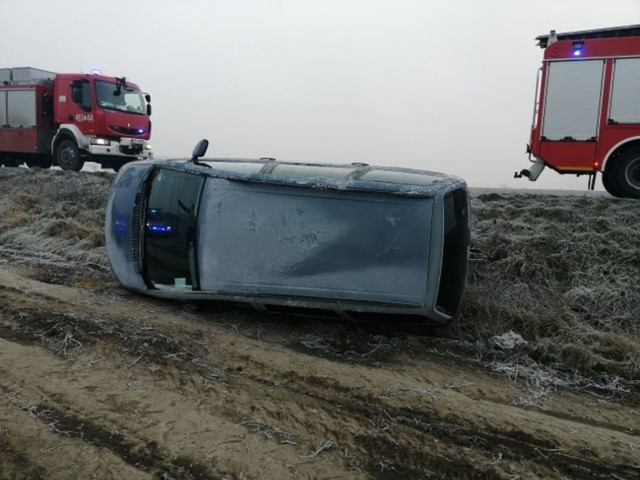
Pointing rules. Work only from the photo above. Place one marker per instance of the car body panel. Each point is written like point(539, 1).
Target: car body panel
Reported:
point(263, 239)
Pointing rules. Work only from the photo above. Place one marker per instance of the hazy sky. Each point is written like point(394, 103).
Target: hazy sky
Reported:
point(444, 86)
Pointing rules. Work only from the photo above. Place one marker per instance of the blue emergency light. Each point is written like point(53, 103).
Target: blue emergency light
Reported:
point(578, 48)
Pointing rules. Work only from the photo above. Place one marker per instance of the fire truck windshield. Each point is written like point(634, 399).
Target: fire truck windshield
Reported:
point(121, 99)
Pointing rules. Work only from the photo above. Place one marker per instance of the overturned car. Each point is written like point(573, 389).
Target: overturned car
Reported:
point(351, 240)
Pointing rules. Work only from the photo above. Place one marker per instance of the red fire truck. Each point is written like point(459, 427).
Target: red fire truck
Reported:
point(66, 119)
point(587, 109)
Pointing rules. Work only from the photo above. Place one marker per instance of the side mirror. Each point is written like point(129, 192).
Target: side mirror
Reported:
point(147, 97)
point(200, 149)
point(148, 110)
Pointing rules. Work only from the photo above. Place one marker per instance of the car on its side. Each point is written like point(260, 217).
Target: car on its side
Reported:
point(351, 240)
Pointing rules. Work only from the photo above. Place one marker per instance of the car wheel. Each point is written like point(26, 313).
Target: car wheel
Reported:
point(68, 156)
point(627, 173)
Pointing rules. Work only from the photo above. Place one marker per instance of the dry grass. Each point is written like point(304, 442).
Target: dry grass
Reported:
point(53, 218)
point(562, 272)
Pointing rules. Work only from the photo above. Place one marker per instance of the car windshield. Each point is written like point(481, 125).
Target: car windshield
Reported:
point(123, 99)
point(170, 229)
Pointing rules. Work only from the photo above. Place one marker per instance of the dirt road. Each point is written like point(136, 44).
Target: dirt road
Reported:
point(97, 383)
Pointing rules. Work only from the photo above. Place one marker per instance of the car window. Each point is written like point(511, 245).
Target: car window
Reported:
point(170, 229)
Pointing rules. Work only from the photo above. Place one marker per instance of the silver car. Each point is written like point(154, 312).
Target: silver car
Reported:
point(351, 240)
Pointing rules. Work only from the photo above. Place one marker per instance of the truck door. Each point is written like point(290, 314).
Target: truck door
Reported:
point(74, 104)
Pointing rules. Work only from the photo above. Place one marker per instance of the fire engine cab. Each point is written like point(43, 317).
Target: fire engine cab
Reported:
point(587, 108)
point(66, 119)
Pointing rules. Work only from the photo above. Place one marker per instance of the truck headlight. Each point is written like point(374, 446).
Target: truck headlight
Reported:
point(99, 141)
point(147, 146)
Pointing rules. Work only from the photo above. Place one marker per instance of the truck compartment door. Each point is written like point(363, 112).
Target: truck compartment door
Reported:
point(572, 100)
point(21, 108)
point(3, 110)
point(625, 97)
point(18, 121)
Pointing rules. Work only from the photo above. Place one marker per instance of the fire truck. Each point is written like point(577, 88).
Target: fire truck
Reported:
point(65, 119)
point(587, 108)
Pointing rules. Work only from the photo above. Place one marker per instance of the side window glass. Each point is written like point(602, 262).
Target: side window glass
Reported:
point(170, 229)
point(81, 94)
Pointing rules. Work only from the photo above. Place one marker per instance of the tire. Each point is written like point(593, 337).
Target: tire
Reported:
point(68, 156)
point(39, 163)
point(626, 173)
point(610, 184)
point(116, 165)
point(10, 162)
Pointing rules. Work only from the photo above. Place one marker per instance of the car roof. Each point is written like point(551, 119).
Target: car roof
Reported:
point(352, 176)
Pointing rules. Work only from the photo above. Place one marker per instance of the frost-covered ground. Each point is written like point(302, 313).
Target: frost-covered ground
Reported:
point(538, 377)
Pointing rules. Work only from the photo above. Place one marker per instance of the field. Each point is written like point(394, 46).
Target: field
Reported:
point(538, 377)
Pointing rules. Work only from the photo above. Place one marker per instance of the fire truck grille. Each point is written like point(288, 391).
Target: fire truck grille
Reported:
point(126, 131)
point(131, 150)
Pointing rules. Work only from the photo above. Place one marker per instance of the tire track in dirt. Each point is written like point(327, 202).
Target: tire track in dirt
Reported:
point(454, 431)
point(147, 459)
point(33, 449)
point(295, 392)
point(35, 322)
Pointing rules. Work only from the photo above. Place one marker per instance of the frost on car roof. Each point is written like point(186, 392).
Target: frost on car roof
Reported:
point(355, 176)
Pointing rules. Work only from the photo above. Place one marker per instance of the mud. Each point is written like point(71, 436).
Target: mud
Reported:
point(99, 383)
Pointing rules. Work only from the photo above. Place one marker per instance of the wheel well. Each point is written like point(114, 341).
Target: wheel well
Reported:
point(618, 152)
point(60, 137)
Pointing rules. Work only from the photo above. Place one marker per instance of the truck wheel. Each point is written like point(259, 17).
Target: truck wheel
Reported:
point(627, 173)
point(39, 163)
point(68, 156)
point(10, 162)
point(610, 184)
point(116, 165)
